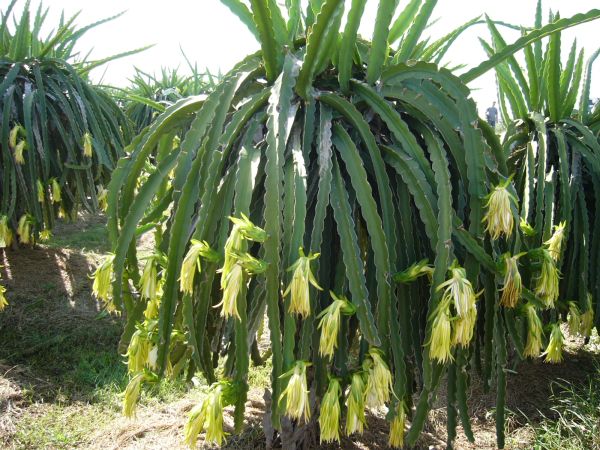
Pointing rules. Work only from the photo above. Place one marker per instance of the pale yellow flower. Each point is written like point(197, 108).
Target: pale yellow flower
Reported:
point(379, 380)
point(463, 328)
point(459, 290)
point(137, 351)
point(297, 405)
point(330, 323)
point(24, 229)
point(40, 191)
point(56, 193)
point(102, 196)
point(87, 145)
point(132, 395)
point(3, 301)
point(149, 278)
point(6, 235)
point(548, 280)
point(102, 286)
point(208, 415)
point(14, 133)
point(19, 158)
point(299, 286)
point(233, 285)
point(355, 402)
point(555, 242)
point(329, 418)
point(441, 333)
point(534, 332)
point(499, 218)
point(45, 235)
point(513, 286)
point(191, 263)
point(554, 350)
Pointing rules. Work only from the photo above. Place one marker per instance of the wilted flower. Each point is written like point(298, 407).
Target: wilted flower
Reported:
point(24, 229)
point(413, 272)
point(14, 133)
point(513, 286)
point(441, 332)
point(6, 235)
point(355, 418)
point(40, 191)
point(499, 218)
point(149, 278)
point(132, 394)
point(463, 328)
point(3, 301)
point(553, 352)
point(233, 285)
point(102, 196)
point(547, 282)
point(330, 323)
point(137, 351)
point(102, 286)
point(56, 194)
point(299, 286)
point(587, 318)
point(297, 405)
point(574, 319)
point(396, 439)
point(379, 380)
point(208, 415)
point(191, 262)
point(460, 291)
point(555, 242)
point(534, 332)
point(87, 145)
point(19, 158)
point(329, 418)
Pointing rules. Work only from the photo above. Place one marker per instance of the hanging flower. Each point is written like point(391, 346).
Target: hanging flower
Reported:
point(191, 262)
point(297, 405)
point(441, 332)
point(513, 286)
point(329, 419)
point(396, 439)
point(547, 282)
point(499, 218)
point(3, 301)
point(102, 196)
point(149, 278)
point(459, 290)
point(208, 415)
point(24, 229)
point(102, 286)
point(355, 402)
point(6, 235)
point(463, 328)
point(574, 319)
point(554, 350)
point(248, 230)
point(534, 332)
point(40, 191)
point(555, 242)
point(379, 380)
point(14, 133)
point(299, 286)
point(233, 285)
point(138, 350)
point(87, 145)
point(330, 323)
point(56, 193)
point(132, 394)
point(45, 235)
point(19, 158)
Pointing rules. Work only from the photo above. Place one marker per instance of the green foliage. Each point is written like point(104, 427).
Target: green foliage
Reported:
point(375, 168)
point(60, 136)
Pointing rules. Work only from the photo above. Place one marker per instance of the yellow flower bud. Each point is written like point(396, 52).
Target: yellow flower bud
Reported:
point(441, 332)
point(19, 158)
point(87, 145)
point(102, 286)
point(574, 319)
point(554, 244)
point(24, 229)
point(299, 286)
point(330, 323)
point(56, 193)
point(379, 380)
point(297, 405)
point(6, 235)
point(329, 419)
point(132, 395)
point(396, 439)
point(195, 424)
point(534, 332)
point(499, 218)
point(548, 280)
point(513, 286)
point(355, 402)
point(233, 285)
point(3, 301)
point(40, 191)
point(553, 352)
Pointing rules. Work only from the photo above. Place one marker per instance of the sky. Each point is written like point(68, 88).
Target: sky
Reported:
point(213, 37)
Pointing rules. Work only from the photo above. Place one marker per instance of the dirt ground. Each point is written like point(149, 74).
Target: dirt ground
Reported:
point(43, 385)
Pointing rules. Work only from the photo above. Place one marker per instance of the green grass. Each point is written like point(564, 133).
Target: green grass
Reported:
point(575, 424)
point(88, 236)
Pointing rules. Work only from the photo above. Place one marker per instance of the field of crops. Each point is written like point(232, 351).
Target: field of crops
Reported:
point(325, 247)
